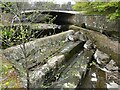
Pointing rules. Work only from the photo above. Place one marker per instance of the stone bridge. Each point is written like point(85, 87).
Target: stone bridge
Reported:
point(95, 22)
point(61, 17)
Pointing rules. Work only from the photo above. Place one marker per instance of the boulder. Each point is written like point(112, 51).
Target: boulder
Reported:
point(111, 66)
point(71, 37)
point(75, 36)
point(88, 45)
point(74, 71)
point(101, 58)
point(38, 76)
point(81, 36)
point(102, 42)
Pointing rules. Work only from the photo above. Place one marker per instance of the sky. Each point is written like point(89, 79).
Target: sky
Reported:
point(56, 1)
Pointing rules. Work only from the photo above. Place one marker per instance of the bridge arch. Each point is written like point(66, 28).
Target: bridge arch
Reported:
point(61, 17)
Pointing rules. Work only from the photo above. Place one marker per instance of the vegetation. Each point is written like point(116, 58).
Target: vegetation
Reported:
point(17, 28)
point(9, 75)
point(110, 9)
point(18, 32)
point(15, 35)
point(11, 37)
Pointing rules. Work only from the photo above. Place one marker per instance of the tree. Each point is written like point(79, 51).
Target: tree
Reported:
point(110, 9)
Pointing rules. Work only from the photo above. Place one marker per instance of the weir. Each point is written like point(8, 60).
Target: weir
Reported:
point(63, 59)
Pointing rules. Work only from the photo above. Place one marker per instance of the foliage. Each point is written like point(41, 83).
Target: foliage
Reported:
point(15, 35)
point(110, 9)
point(8, 7)
point(11, 36)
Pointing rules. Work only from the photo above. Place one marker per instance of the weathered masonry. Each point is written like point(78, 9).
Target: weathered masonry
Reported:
point(96, 22)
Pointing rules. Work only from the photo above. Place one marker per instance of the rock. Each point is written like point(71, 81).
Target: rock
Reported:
point(111, 66)
point(88, 45)
point(77, 33)
point(72, 37)
point(75, 36)
point(94, 46)
point(112, 85)
point(37, 77)
point(74, 70)
point(67, 36)
point(1, 51)
point(101, 58)
point(104, 43)
point(113, 77)
point(81, 36)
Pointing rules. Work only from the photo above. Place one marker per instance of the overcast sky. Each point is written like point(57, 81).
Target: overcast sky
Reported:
point(55, 1)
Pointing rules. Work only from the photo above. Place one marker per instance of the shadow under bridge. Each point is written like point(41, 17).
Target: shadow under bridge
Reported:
point(62, 17)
